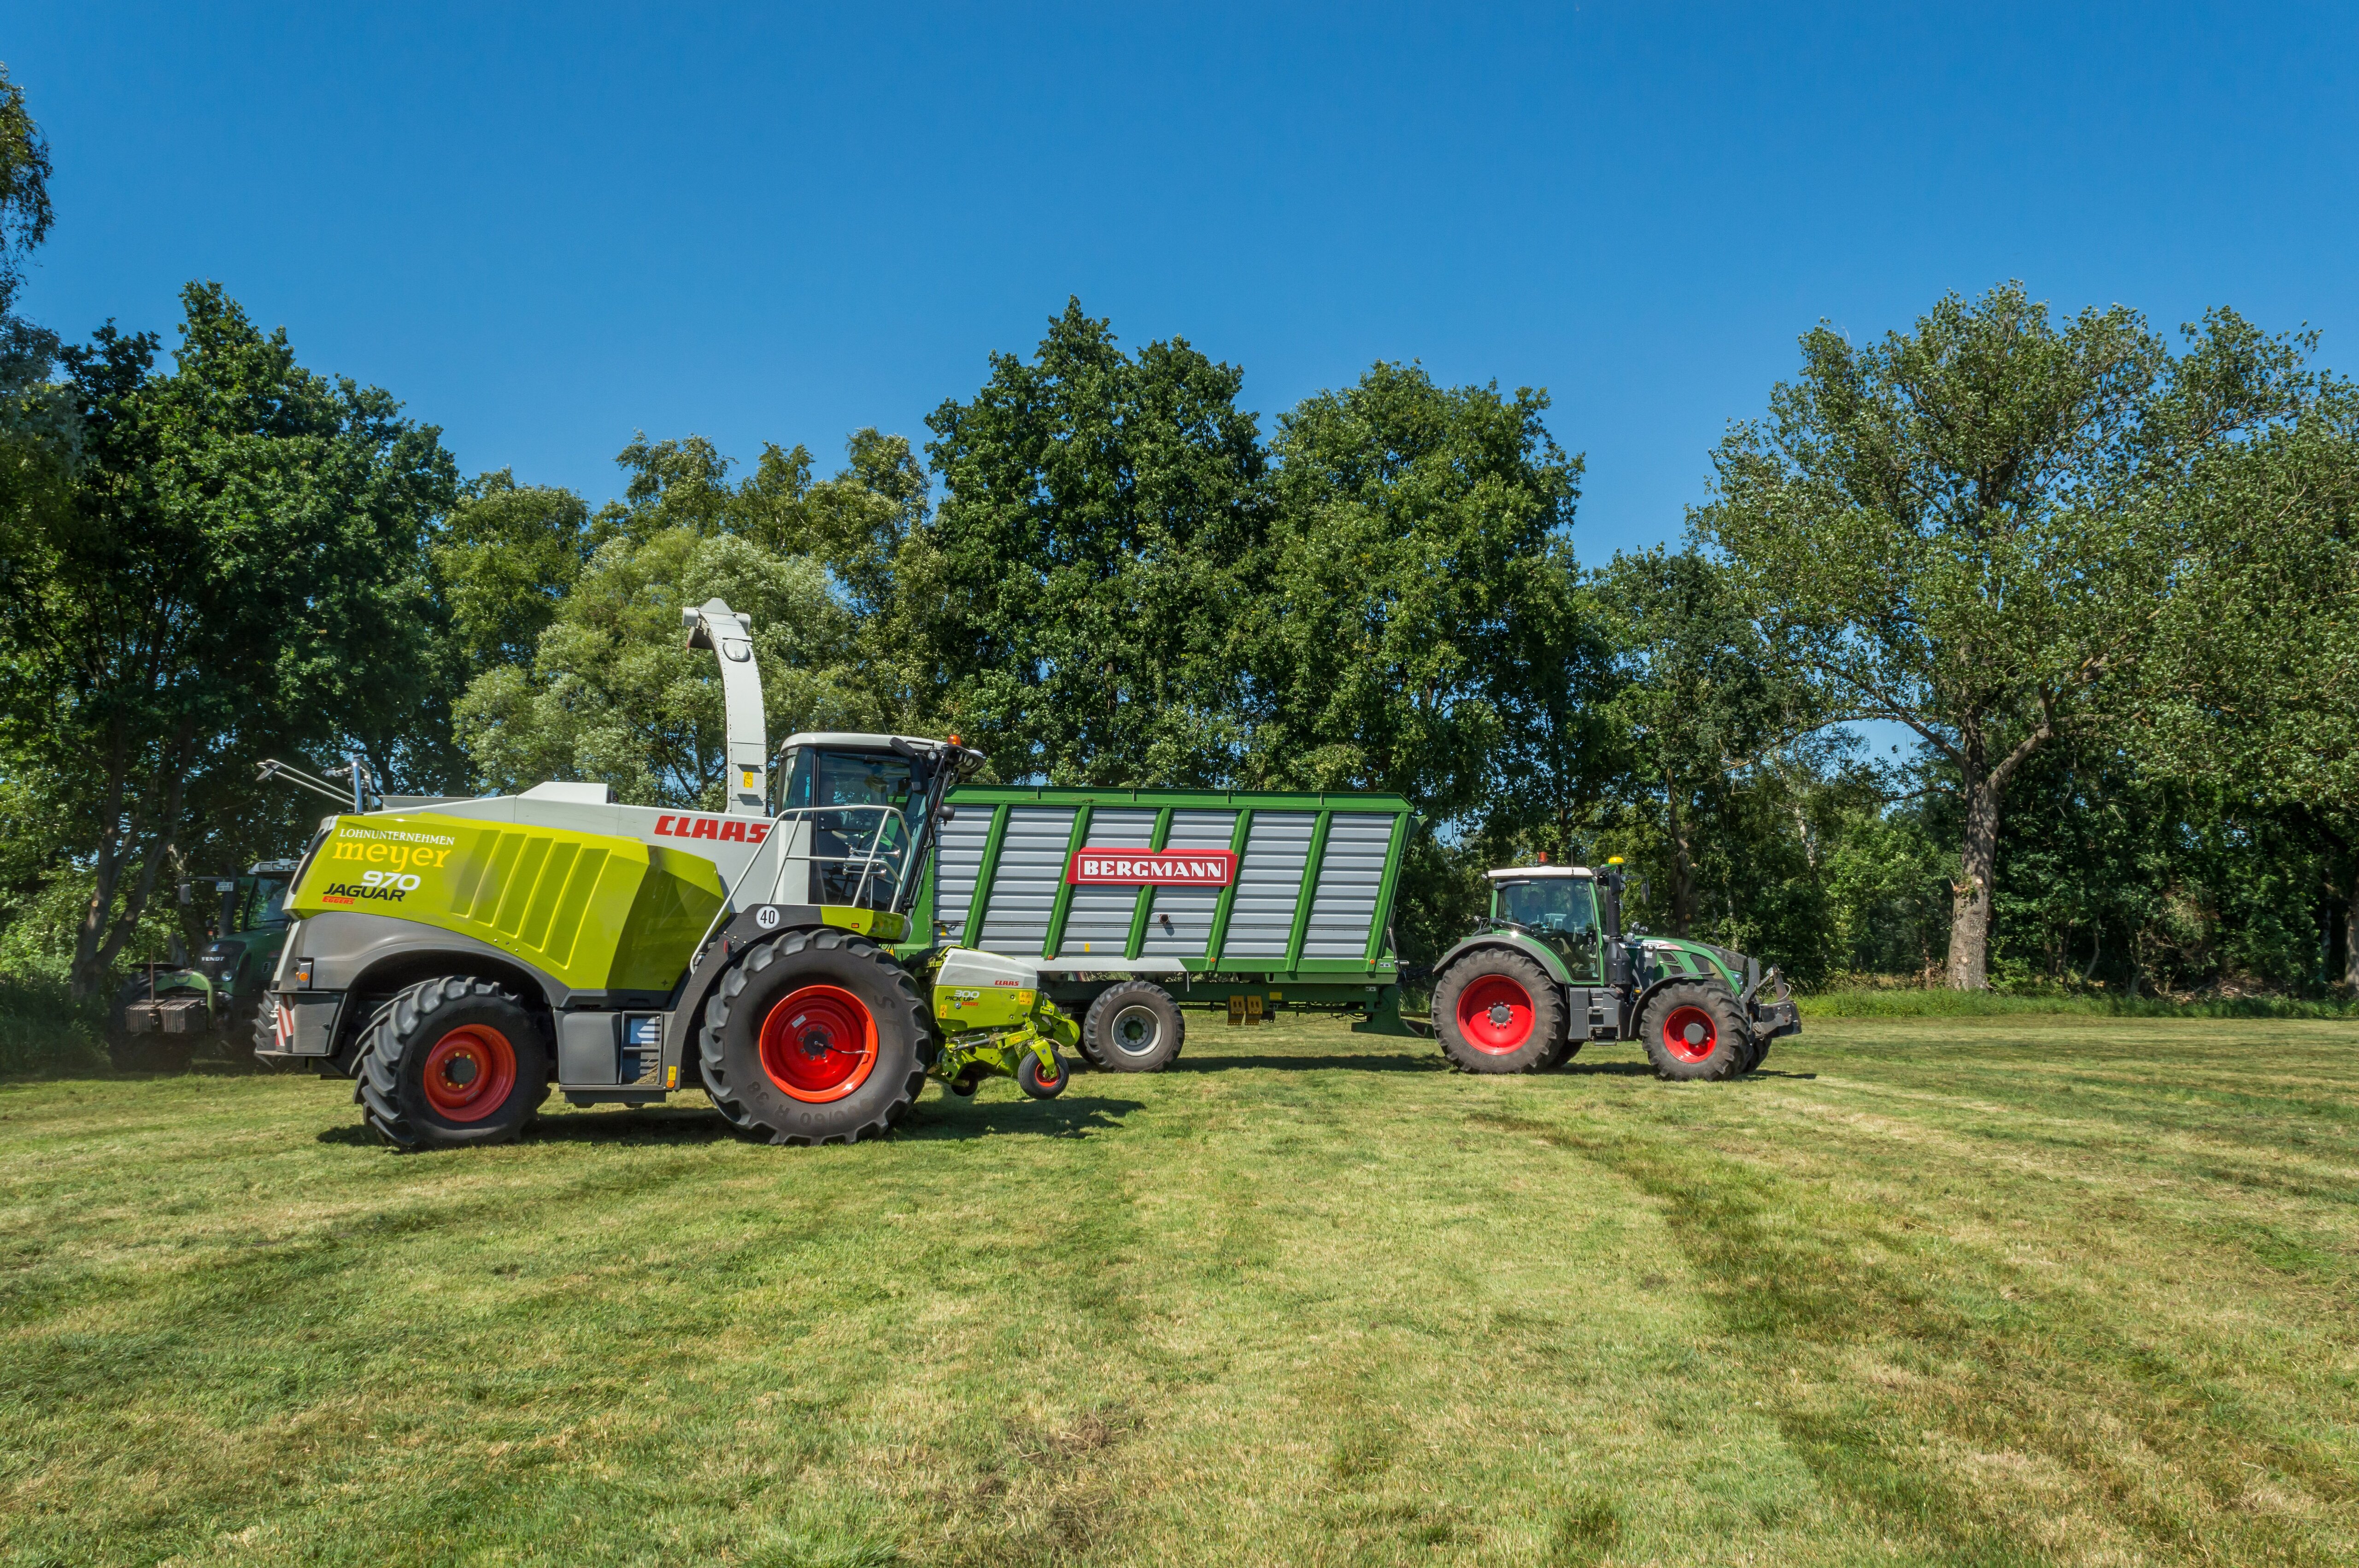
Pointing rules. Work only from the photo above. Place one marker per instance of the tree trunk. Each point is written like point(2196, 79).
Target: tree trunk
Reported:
point(1970, 908)
point(1682, 868)
point(2350, 938)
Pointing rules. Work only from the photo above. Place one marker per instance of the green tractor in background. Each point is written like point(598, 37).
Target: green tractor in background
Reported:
point(1551, 969)
point(164, 1014)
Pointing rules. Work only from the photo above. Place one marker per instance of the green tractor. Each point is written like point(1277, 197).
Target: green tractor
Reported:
point(1551, 969)
point(162, 1015)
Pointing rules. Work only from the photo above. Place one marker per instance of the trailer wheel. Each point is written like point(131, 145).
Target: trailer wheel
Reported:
point(451, 1061)
point(815, 1037)
point(1133, 1027)
point(1498, 1011)
point(1696, 1031)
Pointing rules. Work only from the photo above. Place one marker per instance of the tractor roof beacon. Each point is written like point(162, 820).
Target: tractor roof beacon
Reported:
point(463, 958)
point(1550, 969)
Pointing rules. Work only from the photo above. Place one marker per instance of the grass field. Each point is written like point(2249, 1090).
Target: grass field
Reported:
point(1975, 1290)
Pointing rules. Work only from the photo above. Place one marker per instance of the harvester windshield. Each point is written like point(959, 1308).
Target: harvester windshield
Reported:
point(867, 801)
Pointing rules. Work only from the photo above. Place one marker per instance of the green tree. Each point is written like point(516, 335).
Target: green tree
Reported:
point(1420, 626)
point(1704, 711)
point(2259, 646)
point(237, 571)
point(1091, 559)
point(1421, 583)
point(582, 671)
point(1961, 528)
point(24, 211)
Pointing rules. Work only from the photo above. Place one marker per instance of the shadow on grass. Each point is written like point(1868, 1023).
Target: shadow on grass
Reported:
point(1312, 1063)
point(1067, 1116)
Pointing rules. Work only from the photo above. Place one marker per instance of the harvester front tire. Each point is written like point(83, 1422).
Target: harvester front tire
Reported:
point(843, 1063)
point(1496, 1010)
point(1133, 1027)
point(1696, 1031)
point(451, 1061)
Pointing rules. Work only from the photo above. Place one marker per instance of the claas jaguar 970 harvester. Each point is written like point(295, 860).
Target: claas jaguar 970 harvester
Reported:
point(461, 958)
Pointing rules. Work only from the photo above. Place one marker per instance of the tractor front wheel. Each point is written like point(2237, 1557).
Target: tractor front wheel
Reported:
point(1696, 1031)
point(816, 1037)
point(1498, 1011)
point(450, 1062)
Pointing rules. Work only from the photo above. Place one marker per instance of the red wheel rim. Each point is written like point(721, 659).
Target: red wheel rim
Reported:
point(469, 1073)
point(819, 1044)
point(1043, 1075)
point(1688, 1034)
point(1494, 1014)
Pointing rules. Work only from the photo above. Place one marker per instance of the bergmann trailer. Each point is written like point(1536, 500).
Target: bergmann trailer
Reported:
point(1131, 904)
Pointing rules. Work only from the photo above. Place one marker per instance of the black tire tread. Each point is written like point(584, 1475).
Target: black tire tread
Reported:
point(1728, 1020)
point(1103, 1057)
point(377, 1068)
point(711, 1056)
point(1547, 1012)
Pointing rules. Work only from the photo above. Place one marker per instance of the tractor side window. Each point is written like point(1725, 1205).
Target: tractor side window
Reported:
point(1564, 912)
point(269, 904)
point(1552, 903)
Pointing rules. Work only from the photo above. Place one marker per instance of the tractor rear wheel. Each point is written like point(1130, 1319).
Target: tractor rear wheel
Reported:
point(1498, 1011)
point(1696, 1031)
point(816, 1037)
point(451, 1061)
point(1133, 1027)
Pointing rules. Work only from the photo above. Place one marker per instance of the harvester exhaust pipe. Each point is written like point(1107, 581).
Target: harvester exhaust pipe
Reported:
point(714, 625)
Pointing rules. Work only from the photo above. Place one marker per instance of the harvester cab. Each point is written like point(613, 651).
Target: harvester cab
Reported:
point(1550, 967)
point(464, 959)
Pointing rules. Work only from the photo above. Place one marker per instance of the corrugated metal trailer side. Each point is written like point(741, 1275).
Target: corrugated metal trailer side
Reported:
point(1303, 919)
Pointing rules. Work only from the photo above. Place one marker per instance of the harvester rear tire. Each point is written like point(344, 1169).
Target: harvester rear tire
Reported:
point(451, 1061)
point(1133, 1027)
point(845, 1063)
point(1696, 1031)
point(1496, 1010)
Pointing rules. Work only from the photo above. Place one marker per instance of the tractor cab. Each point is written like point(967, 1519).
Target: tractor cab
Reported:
point(1556, 905)
point(858, 810)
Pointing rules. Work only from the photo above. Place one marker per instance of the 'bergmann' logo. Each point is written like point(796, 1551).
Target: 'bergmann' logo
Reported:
point(1156, 867)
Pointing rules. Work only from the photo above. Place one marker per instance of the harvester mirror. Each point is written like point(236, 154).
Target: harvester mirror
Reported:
point(1643, 895)
point(188, 894)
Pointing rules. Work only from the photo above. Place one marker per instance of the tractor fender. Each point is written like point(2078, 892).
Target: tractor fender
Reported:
point(1539, 952)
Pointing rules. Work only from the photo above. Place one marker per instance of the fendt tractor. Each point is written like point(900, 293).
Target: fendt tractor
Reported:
point(1551, 970)
point(463, 958)
point(167, 1011)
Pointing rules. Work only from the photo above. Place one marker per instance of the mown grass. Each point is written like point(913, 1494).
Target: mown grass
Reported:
point(2012, 1290)
point(1939, 1002)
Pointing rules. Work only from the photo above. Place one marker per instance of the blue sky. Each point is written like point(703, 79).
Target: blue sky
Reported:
point(546, 230)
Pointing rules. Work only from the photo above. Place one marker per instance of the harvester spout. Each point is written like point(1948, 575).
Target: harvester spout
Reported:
point(714, 625)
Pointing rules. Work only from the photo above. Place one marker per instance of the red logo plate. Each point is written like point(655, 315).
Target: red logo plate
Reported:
point(1154, 868)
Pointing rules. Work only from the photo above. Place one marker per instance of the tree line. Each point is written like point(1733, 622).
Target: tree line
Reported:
point(2102, 577)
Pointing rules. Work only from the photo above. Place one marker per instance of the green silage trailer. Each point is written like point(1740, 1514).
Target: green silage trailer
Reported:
point(1135, 902)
